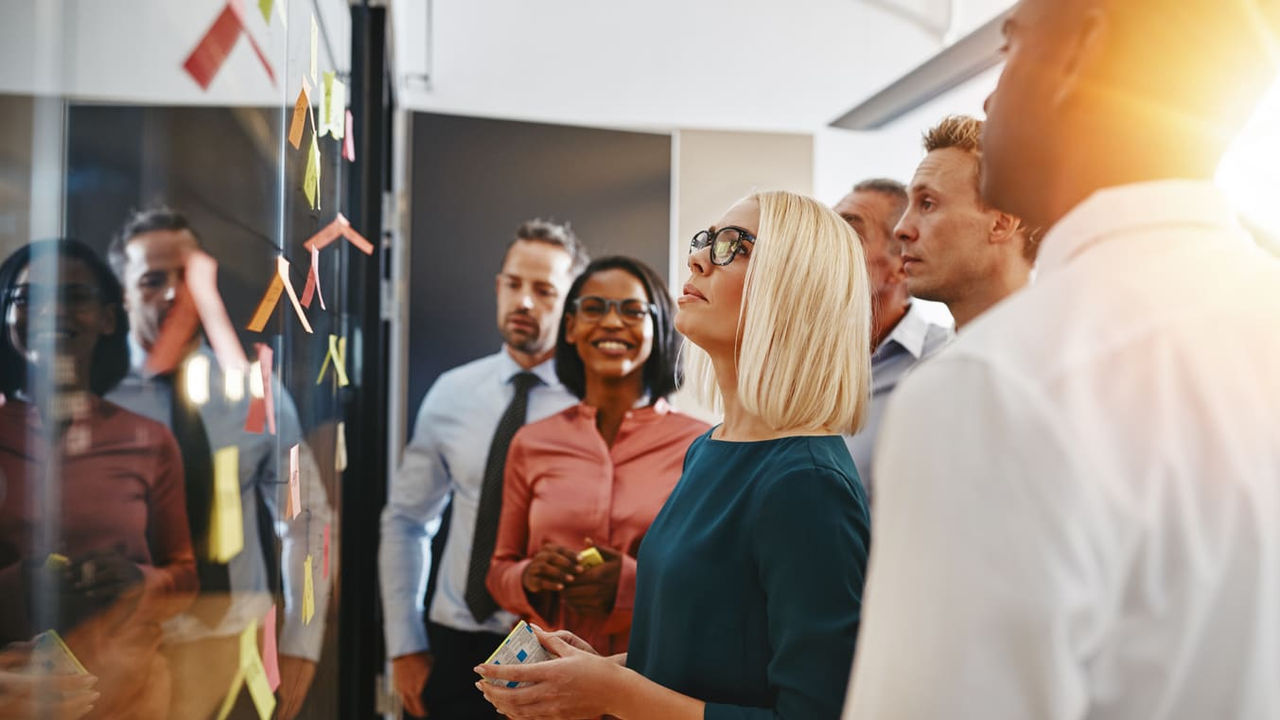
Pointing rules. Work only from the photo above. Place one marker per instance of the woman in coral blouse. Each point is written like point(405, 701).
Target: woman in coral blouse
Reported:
point(596, 474)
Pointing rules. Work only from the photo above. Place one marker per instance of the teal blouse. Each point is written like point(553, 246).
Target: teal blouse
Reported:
point(749, 581)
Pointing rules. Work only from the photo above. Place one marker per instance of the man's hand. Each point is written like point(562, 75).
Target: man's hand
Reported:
point(552, 568)
point(296, 675)
point(410, 674)
point(596, 588)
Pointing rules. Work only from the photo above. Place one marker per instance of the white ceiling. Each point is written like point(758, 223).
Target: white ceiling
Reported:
point(661, 64)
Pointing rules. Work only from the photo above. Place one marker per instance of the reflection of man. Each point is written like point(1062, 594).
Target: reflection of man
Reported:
point(1093, 529)
point(456, 449)
point(957, 249)
point(901, 333)
point(203, 645)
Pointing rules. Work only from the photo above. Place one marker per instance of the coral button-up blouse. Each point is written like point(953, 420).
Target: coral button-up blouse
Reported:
point(564, 484)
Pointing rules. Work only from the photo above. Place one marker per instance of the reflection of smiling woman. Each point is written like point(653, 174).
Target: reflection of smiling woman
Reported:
point(750, 579)
point(600, 469)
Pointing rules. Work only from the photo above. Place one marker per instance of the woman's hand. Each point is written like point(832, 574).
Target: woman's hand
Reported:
point(577, 684)
point(596, 588)
point(551, 569)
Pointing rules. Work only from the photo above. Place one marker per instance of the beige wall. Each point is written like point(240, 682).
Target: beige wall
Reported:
point(714, 169)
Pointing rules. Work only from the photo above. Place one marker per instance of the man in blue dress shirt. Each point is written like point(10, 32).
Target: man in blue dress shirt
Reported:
point(453, 437)
point(902, 332)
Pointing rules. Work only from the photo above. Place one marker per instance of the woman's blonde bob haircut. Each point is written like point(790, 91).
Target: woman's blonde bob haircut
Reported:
point(804, 329)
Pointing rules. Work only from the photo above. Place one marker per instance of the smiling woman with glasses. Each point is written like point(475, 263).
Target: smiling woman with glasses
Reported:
point(595, 475)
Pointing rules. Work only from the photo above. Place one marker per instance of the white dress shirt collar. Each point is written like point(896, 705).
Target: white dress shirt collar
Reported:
point(910, 332)
point(1124, 208)
point(509, 368)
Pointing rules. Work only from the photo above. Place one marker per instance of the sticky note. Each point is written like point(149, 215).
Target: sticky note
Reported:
point(262, 409)
point(201, 276)
point(334, 101)
point(324, 568)
point(337, 355)
point(315, 42)
point(295, 487)
point(311, 179)
point(179, 326)
point(265, 7)
point(299, 119)
point(308, 593)
point(282, 270)
point(267, 304)
point(349, 142)
point(253, 673)
point(270, 655)
point(339, 227)
point(230, 700)
point(211, 52)
point(227, 524)
point(312, 288)
point(340, 448)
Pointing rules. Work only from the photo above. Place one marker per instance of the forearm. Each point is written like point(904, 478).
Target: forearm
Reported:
point(636, 697)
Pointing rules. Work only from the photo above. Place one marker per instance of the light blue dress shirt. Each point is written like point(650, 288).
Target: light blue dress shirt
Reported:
point(264, 469)
point(447, 455)
point(913, 339)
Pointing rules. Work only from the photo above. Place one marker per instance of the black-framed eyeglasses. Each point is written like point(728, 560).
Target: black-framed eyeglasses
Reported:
point(725, 243)
point(593, 308)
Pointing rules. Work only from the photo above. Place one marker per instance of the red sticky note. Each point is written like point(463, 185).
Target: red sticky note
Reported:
point(295, 487)
point(270, 657)
point(313, 281)
point(262, 410)
point(349, 140)
point(212, 50)
point(340, 227)
point(324, 570)
point(179, 326)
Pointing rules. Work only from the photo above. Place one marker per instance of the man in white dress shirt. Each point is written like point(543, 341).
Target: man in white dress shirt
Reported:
point(448, 455)
point(1093, 530)
point(956, 248)
point(902, 334)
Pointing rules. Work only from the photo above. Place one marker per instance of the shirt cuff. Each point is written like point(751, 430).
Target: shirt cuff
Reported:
point(405, 633)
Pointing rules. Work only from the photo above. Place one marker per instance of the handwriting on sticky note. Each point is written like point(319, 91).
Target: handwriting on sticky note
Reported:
point(308, 592)
point(299, 118)
point(227, 524)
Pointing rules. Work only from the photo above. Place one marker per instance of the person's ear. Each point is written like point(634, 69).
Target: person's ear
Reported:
point(1004, 227)
point(1081, 55)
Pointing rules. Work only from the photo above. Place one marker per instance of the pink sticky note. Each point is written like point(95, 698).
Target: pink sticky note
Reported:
point(324, 569)
point(349, 140)
point(270, 660)
point(282, 271)
point(295, 487)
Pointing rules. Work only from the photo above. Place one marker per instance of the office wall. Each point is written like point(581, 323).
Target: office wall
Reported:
point(475, 180)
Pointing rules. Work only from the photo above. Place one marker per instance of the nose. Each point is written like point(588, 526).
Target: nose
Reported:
point(526, 301)
point(700, 261)
point(612, 318)
point(905, 232)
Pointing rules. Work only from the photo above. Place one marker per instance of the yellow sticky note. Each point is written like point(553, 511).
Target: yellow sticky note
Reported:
point(265, 7)
point(311, 181)
point(340, 451)
point(337, 355)
point(315, 42)
point(227, 525)
point(230, 700)
point(332, 107)
point(308, 592)
point(253, 673)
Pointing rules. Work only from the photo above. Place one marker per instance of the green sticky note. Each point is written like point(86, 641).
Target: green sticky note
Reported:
point(311, 182)
point(265, 7)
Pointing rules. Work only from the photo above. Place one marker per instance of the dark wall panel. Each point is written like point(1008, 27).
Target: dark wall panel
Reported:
point(475, 180)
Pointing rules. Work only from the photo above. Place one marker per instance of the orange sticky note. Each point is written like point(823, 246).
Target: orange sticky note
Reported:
point(282, 270)
point(340, 227)
point(299, 118)
point(202, 279)
point(295, 487)
point(179, 326)
point(267, 304)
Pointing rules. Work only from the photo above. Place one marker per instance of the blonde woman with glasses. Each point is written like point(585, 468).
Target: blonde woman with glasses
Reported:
point(749, 581)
